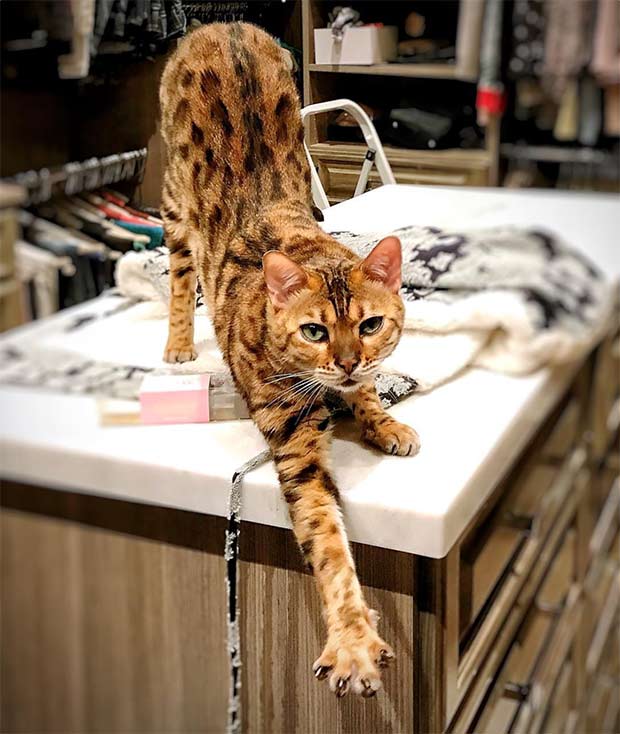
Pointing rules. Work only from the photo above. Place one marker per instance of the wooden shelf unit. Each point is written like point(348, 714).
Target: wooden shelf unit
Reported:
point(338, 163)
point(416, 71)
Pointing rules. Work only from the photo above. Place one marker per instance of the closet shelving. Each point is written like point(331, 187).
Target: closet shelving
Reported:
point(416, 71)
point(339, 162)
point(557, 153)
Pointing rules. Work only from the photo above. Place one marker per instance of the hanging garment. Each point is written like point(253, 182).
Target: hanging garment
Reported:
point(114, 198)
point(567, 121)
point(41, 269)
point(76, 64)
point(612, 110)
point(606, 52)
point(568, 39)
point(115, 212)
point(96, 225)
point(155, 234)
point(606, 62)
point(528, 32)
point(138, 22)
point(468, 35)
point(590, 111)
point(60, 240)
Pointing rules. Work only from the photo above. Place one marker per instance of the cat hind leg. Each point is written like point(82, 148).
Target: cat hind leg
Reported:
point(180, 344)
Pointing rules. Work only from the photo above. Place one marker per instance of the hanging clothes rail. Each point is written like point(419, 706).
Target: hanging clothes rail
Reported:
point(74, 178)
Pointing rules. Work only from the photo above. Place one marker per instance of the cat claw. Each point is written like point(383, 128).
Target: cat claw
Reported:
point(342, 686)
point(367, 690)
point(353, 664)
point(322, 671)
point(394, 438)
point(385, 658)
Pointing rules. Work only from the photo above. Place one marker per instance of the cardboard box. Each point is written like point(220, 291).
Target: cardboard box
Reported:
point(364, 46)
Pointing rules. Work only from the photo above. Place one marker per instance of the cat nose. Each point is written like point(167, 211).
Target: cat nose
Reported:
point(348, 364)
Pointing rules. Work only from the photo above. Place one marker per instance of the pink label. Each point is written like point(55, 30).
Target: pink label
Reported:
point(174, 399)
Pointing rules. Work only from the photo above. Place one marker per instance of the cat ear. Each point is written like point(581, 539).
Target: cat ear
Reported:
point(283, 277)
point(384, 263)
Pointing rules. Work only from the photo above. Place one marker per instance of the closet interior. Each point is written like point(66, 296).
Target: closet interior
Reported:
point(479, 93)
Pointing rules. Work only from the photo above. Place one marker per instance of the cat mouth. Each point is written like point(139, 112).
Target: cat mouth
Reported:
point(348, 383)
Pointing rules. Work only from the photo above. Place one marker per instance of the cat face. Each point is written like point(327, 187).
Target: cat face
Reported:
point(335, 326)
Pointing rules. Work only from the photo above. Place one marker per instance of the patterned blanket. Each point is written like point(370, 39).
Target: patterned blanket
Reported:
point(507, 299)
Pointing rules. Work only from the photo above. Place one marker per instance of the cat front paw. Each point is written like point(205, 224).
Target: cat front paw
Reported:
point(393, 437)
point(180, 353)
point(352, 660)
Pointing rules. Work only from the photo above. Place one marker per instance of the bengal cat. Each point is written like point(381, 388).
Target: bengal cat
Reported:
point(295, 312)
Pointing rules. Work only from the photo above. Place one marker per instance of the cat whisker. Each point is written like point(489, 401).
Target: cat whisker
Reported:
point(307, 408)
point(288, 375)
point(299, 387)
point(289, 392)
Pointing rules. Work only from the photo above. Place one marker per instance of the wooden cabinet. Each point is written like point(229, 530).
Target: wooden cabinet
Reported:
point(537, 580)
point(382, 85)
point(113, 614)
point(339, 166)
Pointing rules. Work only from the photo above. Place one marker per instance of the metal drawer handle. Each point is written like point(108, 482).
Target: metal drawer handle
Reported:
point(513, 520)
point(517, 691)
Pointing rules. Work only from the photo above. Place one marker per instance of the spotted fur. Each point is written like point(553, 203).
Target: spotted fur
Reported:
point(238, 216)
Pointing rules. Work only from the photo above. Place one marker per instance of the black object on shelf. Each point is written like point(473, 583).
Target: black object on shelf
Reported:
point(411, 127)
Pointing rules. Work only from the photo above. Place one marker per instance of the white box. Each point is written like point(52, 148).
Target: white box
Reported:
point(366, 45)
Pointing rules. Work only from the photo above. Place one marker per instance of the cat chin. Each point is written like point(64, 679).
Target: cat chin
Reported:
point(353, 384)
point(348, 388)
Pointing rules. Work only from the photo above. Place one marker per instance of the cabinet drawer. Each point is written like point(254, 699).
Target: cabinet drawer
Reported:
point(514, 681)
point(537, 669)
point(607, 511)
point(540, 574)
point(564, 435)
point(603, 707)
point(597, 588)
point(501, 716)
point(485, 564)
point(552, 595)
point(503, 548)
point(556, 717)
point(547, 676)
point(339, 178)
point(603, 711)
point(606, 393)
point(601, 633)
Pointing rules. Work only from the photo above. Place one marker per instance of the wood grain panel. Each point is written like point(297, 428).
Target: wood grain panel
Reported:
point(110, 632)
point(42, 654)
point(283, 634)
point(113, 620)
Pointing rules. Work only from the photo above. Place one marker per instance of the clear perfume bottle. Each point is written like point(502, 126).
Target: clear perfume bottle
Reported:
point(225, 403)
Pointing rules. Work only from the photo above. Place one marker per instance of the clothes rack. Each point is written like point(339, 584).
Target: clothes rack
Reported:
point(74, 229)
point(76, 177)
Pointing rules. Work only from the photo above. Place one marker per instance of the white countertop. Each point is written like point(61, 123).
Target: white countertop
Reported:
point(470, 428)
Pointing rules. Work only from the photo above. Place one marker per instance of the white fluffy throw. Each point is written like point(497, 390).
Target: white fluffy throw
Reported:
point(506, 299)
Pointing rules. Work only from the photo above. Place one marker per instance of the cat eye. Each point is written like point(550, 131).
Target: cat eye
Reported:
point(371, 325)
point(314, 332)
